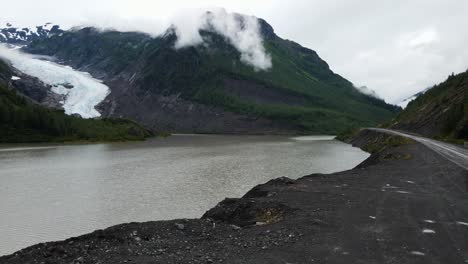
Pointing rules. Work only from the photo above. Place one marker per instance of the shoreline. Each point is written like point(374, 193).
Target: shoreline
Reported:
point(325, 217)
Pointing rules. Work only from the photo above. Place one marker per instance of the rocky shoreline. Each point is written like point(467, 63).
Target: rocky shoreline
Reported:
point(378, 212)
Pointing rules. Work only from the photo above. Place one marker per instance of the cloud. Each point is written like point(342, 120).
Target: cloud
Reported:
point(420, 39)
point(367, 91)
point(242, 31)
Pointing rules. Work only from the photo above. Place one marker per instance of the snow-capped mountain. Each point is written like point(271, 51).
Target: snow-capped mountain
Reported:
point(14, 35)
point(218, 85)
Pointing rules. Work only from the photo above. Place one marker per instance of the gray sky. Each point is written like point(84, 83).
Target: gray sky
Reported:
point(395, 47)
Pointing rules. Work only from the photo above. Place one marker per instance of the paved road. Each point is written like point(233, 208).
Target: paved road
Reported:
point(453, 153)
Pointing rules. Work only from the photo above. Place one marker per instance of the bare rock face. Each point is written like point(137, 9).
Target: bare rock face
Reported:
point(246, 212)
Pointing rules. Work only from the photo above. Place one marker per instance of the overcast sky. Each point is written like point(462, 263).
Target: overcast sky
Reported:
point(395, 47)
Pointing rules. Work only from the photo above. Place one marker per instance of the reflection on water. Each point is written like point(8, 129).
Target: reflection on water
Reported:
point(54, 192)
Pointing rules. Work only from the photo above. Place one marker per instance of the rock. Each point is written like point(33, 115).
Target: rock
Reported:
point(236, 227)
point(180, 226)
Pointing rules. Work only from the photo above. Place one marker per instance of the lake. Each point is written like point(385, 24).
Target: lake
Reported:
point(53, 192)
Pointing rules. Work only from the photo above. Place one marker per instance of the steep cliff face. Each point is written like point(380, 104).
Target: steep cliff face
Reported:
point(442, 111)
point(208, 88)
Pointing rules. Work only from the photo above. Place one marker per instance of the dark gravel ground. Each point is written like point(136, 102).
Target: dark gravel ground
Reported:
point(405, 204)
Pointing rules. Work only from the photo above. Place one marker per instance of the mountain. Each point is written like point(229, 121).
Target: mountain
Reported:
point(208, 88)
point(22, 36)
point(440, 112)
point(23, 120)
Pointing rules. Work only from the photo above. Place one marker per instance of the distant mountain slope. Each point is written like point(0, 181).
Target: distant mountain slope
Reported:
point(441, 111)
point(407, 100)
point(208, 89)
point(22, 36)
point(21, 120)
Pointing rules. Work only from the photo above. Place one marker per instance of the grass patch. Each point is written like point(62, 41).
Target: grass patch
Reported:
point(347, 134)
point(379, 143)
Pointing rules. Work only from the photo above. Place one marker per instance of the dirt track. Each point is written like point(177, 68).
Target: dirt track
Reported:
point(406, 204)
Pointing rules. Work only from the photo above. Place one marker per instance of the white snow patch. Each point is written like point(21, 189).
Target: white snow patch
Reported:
point(428, 231)
point(15, 78)
point(87, 92)
point(417, 253)
point(404, 192)
point(15, 47)
point(462, 223)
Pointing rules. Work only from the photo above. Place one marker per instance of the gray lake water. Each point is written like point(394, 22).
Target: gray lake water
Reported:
point(52, 192)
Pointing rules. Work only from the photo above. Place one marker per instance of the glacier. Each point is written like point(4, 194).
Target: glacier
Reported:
point(82, 92)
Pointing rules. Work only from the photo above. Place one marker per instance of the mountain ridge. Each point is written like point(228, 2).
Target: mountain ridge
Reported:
point(208, 89)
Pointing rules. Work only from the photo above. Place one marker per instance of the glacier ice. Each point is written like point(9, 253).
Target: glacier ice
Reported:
point(83, 92)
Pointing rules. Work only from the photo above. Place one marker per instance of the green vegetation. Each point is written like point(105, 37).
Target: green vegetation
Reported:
point(348, 134)
point(441, 112)
point(332, 103)
point(199, 74)
point(23, 121)
point(377, 144)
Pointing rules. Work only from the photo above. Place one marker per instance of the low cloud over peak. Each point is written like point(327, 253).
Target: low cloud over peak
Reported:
point(242, 31)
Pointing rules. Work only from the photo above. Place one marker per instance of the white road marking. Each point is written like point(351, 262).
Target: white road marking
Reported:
point(417, 253)
point(462, 223)
point(429, 221)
